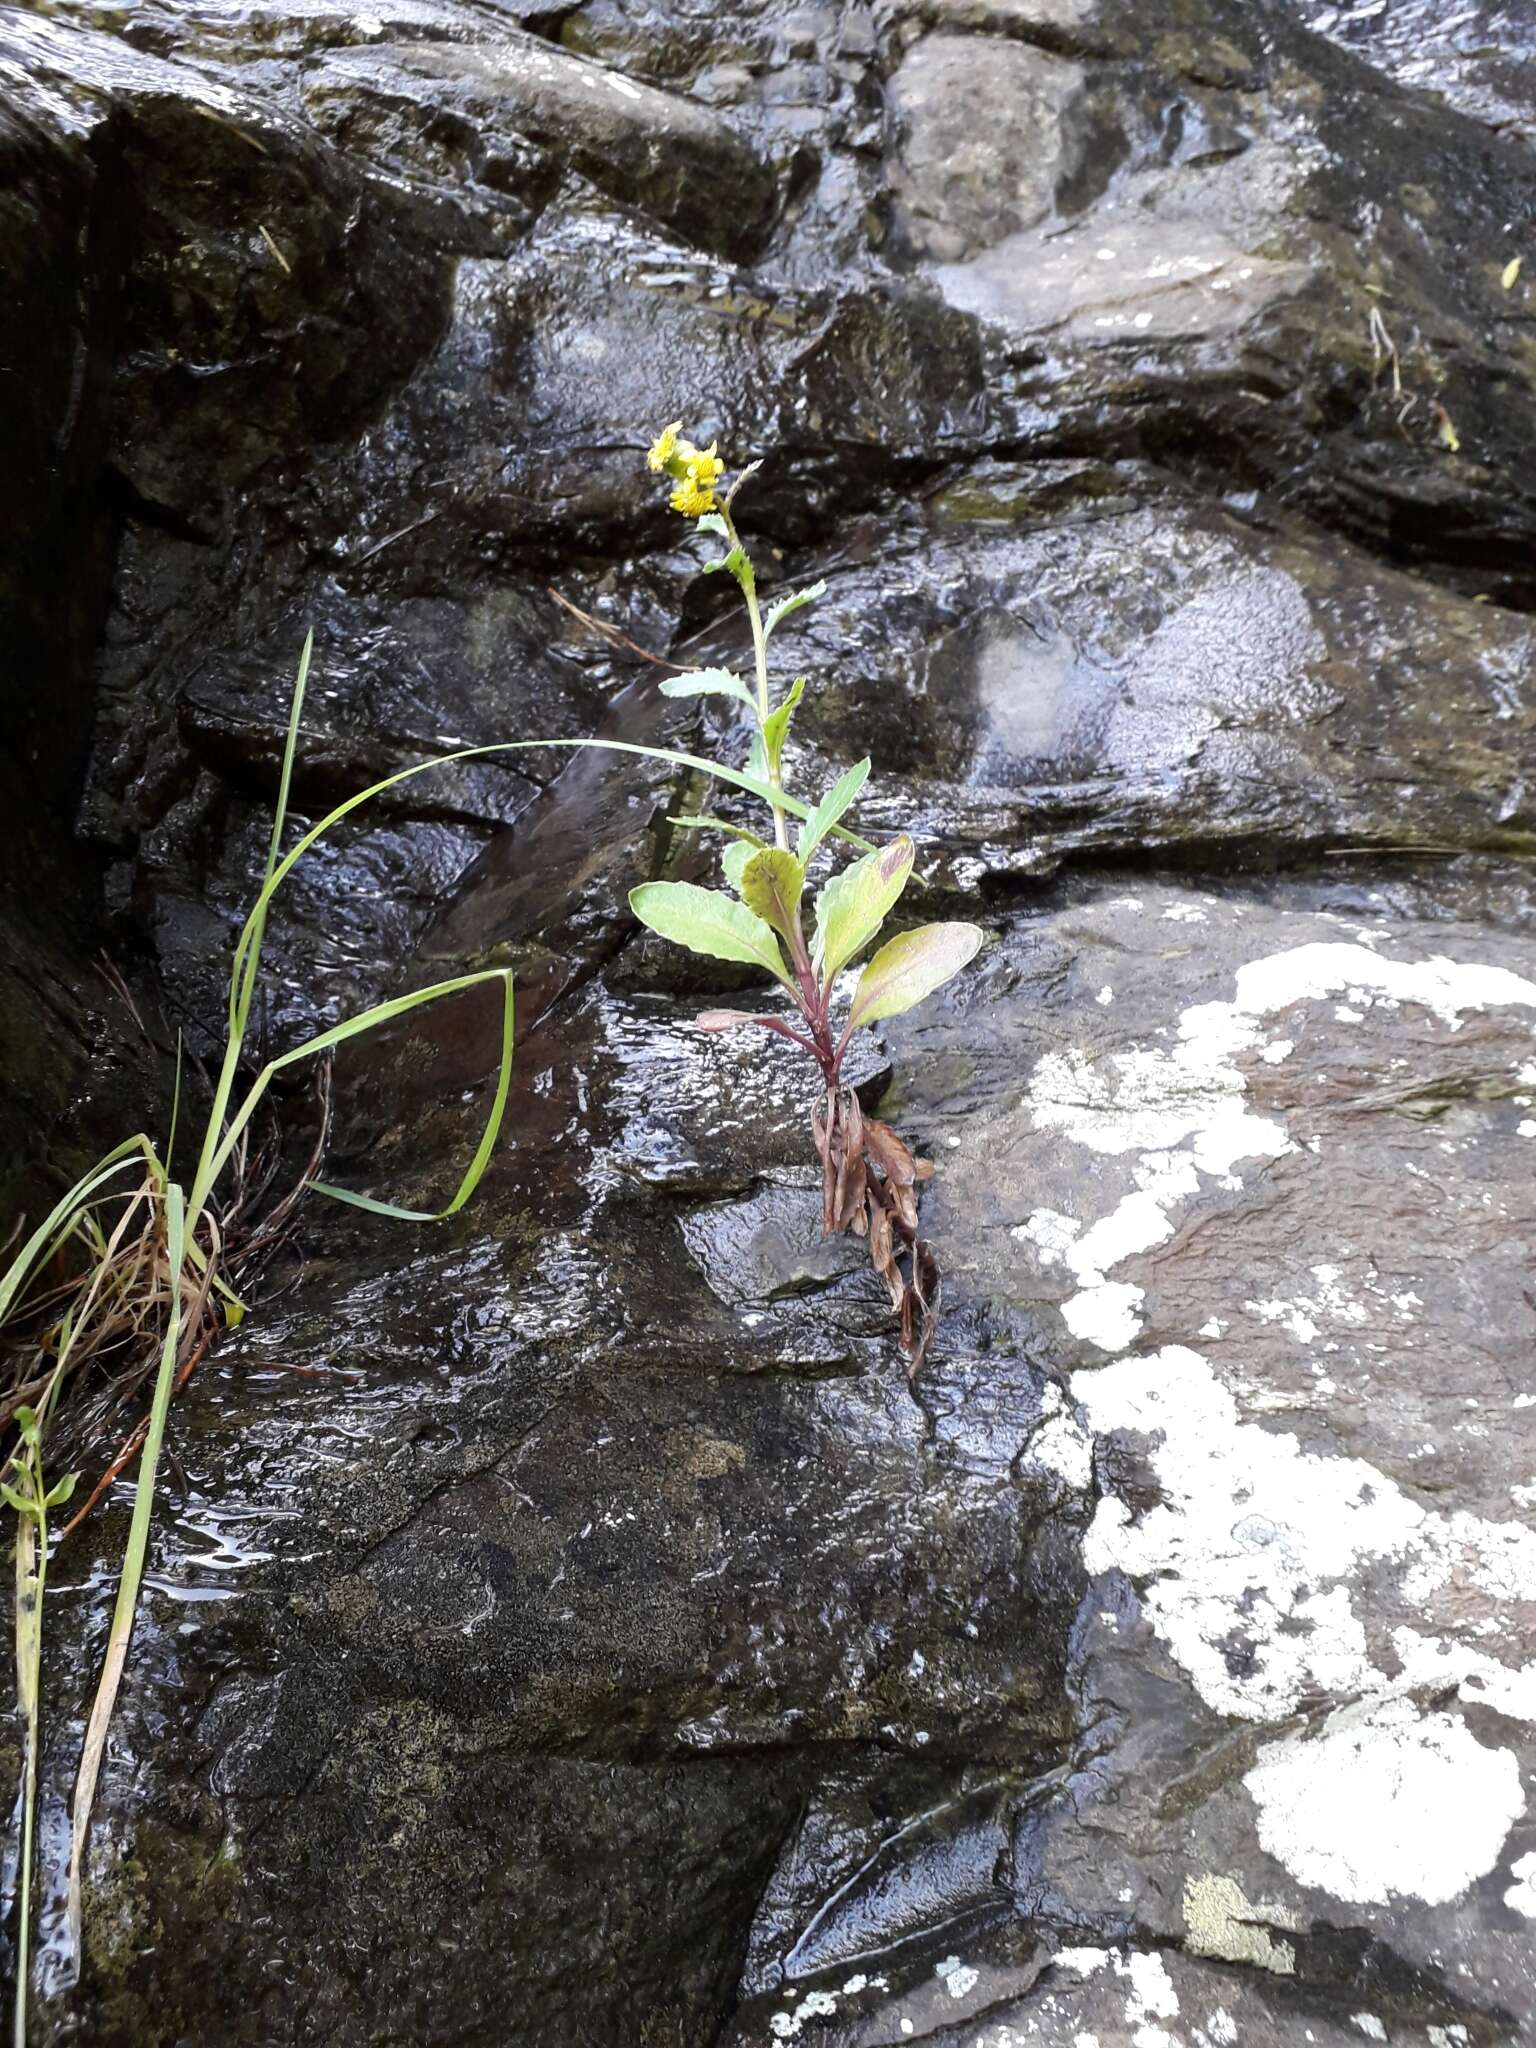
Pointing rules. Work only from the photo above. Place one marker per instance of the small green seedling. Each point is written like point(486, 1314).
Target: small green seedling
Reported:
point(869, 1177)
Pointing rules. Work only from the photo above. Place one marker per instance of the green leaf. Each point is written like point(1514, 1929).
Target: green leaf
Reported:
point(780, 611)
point(710, 922)
point(832, 807)
point(734, 862)
point(131, 1576)
point(701, 824)
point(709, 682)
point(912, 966)
point(711, 522)
point(736, 561)
point(775, 729)
point(771, 884)
point(14, 1500)
point(853, 905)
point(354, 1027)
point(61, 1492)
point(753, 781)
point(27, 1423)
point(70, 1213)
point(247, 949)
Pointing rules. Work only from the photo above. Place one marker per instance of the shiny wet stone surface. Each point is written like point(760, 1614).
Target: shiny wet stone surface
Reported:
point(568, 1625)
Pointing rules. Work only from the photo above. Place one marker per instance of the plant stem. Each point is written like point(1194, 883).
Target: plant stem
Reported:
point(748, 581)
point(31, 1575)
point(813, 1002)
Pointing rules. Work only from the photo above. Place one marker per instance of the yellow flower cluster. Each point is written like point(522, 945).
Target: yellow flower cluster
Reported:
point(694, 471)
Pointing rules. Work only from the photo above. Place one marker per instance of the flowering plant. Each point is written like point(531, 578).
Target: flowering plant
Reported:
point(869, 1177)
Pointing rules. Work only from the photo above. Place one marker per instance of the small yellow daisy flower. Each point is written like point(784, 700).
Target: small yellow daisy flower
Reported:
point(662, 447)
point(694, 471)
point(695, 493)
point(691, 501)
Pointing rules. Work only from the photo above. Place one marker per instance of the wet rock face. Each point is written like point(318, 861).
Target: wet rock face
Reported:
point(596, 1639)
point(636, 145)
point(1478, 58)
point(962, 181)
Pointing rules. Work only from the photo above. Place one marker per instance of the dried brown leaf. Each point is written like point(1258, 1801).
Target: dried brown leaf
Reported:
point(869, 1183)
point(891, 1155)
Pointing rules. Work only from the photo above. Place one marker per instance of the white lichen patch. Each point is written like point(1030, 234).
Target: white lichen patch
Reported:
point(1104, 1311)
point(1083, 1962)
point(1520, 1897)
point(1256, 1539)
point(1276, 1574)
point(958, 1978)
point(819, 2005)
point(1325, 1304)
point(787, 2026)
point(1060, 1444)
point(1183, 1109)
point(1223, 1924)
point(1105, 1314)
point(1291, 1313)
point(1386, 1802)
point(1146, 1099)
point(1431, 1664)
point(1448, 988)
point(1150, 1995)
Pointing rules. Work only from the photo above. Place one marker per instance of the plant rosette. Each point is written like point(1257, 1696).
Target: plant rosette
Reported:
point(869, 1176)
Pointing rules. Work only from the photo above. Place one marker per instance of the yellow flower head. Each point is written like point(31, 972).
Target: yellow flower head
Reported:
point(660, 456)
point(695, 493)
point(694, 471)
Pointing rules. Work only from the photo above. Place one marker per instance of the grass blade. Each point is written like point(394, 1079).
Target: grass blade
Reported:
point(240, 1001)
point(133, 1569)
point(29, 1658)
point(353, 1027)
point(483, 1150)
point(247, 960)
point(62, 1218)
point(290, 748)
point(248, 946)
point(696, 824)
point(170, 1142)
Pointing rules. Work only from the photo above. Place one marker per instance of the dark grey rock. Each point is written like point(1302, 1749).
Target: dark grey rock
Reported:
point(1059, 662)
point(1478, 57)
point(983, 146)
point(1288, 1274)
point(445, 110)
point(567, 1625)
point(1204, 248)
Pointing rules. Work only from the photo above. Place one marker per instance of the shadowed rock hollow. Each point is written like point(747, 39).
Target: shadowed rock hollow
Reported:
point(598, 1642)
